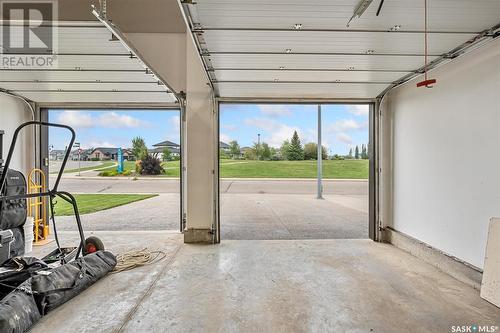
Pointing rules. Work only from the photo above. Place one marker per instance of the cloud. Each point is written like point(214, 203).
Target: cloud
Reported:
point(346, 125)
point(230, 128)
point(278, 132)
point(359, 110)
point(77, 119)
point(80, 119)
point(345, 138)
point(225, 138)
point(275, 110)
point(342, 128)
point(115, 120)
point(175, 121)
point(96, 144)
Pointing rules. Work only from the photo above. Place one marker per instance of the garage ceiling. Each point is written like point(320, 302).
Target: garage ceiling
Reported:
point(253, 49)
point(91, 69)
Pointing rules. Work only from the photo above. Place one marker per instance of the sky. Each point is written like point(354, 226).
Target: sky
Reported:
point(344, 126)
point(114, 128)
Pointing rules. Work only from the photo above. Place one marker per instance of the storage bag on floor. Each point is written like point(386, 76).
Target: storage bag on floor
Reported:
point(65, 282)
point(18, 310)
point(13, 212)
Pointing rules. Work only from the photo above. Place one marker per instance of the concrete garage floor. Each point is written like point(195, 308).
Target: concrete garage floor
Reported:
point(272, 286)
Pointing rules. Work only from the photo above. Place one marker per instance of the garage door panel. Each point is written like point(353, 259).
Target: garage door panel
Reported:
point(284, 75)
point(84, 86)
point(444, 15)
point(296, 90)
point(328, 42)
point(316, 62)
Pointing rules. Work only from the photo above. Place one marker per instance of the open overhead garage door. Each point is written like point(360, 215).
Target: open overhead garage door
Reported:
point(303, 49)
point(92, 67)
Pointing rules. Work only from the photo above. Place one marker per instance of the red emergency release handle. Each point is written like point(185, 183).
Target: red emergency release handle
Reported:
point(427, 83)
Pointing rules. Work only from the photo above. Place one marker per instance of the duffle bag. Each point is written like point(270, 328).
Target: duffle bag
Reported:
point(65, 282)
point(18, 310)
point(13, 212)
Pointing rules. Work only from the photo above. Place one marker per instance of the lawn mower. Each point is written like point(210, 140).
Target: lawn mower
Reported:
point(30, 287)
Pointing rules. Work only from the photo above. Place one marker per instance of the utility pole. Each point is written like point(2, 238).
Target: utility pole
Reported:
point(320, 157)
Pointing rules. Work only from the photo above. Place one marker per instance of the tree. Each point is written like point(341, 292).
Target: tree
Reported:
point(223, 154)
point(139, 148)
point(250, 154)
point(265, 151)
point(364, 152)
point(257, 148)
point(234, 149)
point(167, 155)
point(356, 152)
point(276, 154)
point(295, 150)
point(284, 149)
point(350, 154)
point(311, 151)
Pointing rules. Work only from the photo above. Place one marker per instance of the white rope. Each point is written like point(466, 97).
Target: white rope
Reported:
point(137, 258)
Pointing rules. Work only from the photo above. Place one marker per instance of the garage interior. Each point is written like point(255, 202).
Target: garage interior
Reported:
point(432, 262)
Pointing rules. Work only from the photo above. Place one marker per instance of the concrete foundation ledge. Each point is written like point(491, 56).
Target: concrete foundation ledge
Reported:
point(452, 266)
point(204, 236)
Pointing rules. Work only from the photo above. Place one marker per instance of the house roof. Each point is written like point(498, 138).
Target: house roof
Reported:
point(223, 145)
point(106, 150)
point(166, 144)
point(160, 150)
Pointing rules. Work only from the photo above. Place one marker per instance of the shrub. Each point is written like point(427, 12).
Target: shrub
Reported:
point(151, 165)
point(95, 159)
point(114, 173)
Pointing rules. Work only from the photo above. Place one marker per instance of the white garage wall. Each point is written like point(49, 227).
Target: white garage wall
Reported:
point(13, 112)
point(446, 155)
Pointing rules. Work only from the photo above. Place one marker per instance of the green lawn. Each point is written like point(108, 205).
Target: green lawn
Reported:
point(90, 203)
point(339, 169)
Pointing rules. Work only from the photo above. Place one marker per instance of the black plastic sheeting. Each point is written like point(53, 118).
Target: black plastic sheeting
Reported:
point(18, 243)
point(19, 270)
point(18, 310)
point(47, 289)
point(67, 281)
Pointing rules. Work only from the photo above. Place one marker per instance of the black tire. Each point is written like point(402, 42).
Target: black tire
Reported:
point(93, 244)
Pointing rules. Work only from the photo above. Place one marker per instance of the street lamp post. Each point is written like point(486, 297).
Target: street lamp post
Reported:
point(258, 147)
point(320, 157)
point(77, 145)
